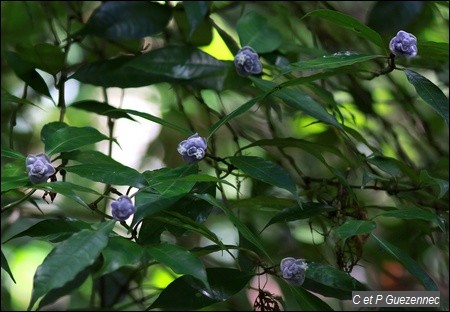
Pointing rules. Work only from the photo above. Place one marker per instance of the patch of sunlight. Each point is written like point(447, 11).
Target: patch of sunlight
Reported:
point(382, 98)
point(303, 126)
point(23, 261)
point(302, 233)
point(218, 48)
point(388, 151)
point(162, 276)
point(352, 114)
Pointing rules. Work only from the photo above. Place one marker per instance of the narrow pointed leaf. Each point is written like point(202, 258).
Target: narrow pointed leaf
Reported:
point(191, 294)
point(68, 259)
point(306, 300)
point(13, 182)
point(350, 23)
point(330, 281)
point(331, 61)
point(429, 92)
point(295, 213)
point(67, 189)
point(180, 260)
point(266, 171)
point(410, 264)
point(426, 179)
point(297, 99)
point(238, 111)
point(153, 118)
point(100, 108)
point(244, 230)
point(71, 138)
point(5, 266)
point(53, 230)
point(26, 71)
point(167, 180)
point(355, 227)
point(112, 173)
point(10, 153)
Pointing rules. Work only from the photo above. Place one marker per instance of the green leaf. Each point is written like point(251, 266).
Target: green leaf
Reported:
point(5, 267)
point(330, 282)
point(26, 71)
point(180, 260)
point(254, 31)
point(44, 56)
point(8, 98)
point(118, 253)
point(350, 23)
point(174, 64)
point(70, 138)
point(10, 153)
point(69, 258)
point(183, 64)
point(426, 179)
point(295, 98)
point(354, 227)
point(148, 204)
point(191, 294)
point(158, 120)
point(167, 180)
point(52, 230)
point(195, 12)
point(14, 182)
point(238, 111)
point(411, 214)
point(57, 293)
point(429, 92)
point(316, 149)
point(99, 167)
point(127, 20)
point(100, 108)
point(266, 171)
point(113, 173)
point(388, 164)
point(410, 264)
point(331, 61)
point(295, 213)
point(244, 230)
point(306, 300)
point(66, 189)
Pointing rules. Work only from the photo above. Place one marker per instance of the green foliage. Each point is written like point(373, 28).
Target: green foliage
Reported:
point(337, 151)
